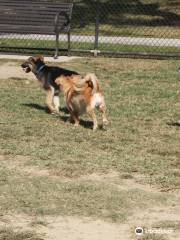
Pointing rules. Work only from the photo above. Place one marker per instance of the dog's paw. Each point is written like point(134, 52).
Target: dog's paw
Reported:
point(105, 122)
point(95, 127)
point(76, 124)
point(55, 112)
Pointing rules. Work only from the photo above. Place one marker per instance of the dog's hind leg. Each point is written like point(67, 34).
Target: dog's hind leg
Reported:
point(49, 100)
point(102, 109)
point(74, 118)
point(92, 114)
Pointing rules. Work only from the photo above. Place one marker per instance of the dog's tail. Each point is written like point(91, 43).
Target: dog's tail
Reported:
point(89, 79)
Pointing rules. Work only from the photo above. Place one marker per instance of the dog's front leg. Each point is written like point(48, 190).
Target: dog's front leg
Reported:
point(49, 100)
point(56, 102)
point(102, 109)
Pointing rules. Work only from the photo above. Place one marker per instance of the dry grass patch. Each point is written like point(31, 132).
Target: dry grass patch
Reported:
point(9, 234)
point(51, 168)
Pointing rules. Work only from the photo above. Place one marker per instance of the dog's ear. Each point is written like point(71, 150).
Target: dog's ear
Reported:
point(31, 60)
point(40, 57)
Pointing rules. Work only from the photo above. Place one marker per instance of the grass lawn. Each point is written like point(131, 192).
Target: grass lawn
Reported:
point(123, 48)
point(145, 18)
point(51, 168)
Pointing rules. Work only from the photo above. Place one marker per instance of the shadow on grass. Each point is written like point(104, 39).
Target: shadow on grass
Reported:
point(173, 124)
point(85, 124)
point(64, 110)
point(35, 106)
point(43, 108)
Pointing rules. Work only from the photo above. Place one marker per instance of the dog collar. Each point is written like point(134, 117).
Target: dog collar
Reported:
point(40, 69)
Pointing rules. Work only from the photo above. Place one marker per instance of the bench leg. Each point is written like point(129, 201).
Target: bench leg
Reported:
point(69, 43)
point(57, 46)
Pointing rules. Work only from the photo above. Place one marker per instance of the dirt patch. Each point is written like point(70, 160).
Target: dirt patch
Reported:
point(18, 163)
point(75, 228)
point(135, 181)
point(71, 228)
point(13, 70)
point(66, 228)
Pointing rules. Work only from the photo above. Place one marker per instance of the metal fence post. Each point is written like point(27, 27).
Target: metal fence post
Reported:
point(96, 42)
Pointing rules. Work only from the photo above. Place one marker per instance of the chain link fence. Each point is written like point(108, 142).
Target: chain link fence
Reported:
point(114, 27)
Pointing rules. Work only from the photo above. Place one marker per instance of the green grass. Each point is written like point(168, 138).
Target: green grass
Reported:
point(141, 99)
point(145, 18)
point(141, 140)
point(86, 46)
point(131, 30)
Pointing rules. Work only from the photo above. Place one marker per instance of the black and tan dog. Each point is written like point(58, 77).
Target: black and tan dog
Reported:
point(47, 76)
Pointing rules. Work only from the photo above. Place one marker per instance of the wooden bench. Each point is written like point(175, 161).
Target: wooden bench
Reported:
point(36, 17)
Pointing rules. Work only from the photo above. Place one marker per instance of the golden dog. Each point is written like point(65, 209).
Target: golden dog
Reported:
point(83, 95)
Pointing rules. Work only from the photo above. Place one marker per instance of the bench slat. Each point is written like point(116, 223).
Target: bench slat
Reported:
point(44, 11)
point(36, 18)
point(29, 29)
point(34, 6)
point(35, 2)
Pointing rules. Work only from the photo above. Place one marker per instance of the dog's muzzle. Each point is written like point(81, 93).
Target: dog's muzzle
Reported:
point(25, 68)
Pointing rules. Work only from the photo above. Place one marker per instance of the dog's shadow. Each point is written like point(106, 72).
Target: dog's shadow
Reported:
point(173, 124)
point(43, 108)
point(85, 124)
point(35, 106)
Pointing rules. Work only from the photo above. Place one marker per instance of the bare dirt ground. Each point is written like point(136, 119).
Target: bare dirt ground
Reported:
point(10, 70)
point(67, 228)
point(75, 228)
